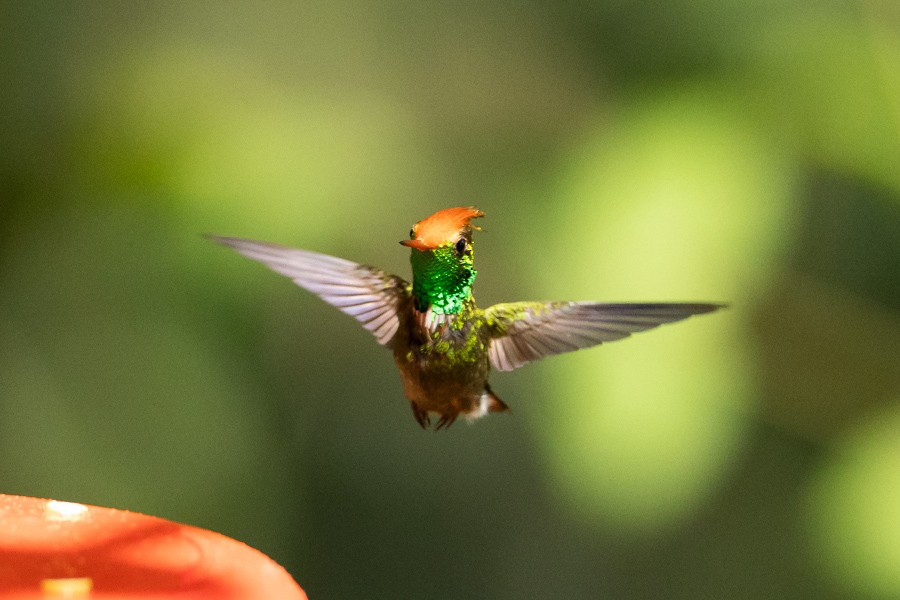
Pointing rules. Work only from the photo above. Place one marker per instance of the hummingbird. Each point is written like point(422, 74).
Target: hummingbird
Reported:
point(444, 345)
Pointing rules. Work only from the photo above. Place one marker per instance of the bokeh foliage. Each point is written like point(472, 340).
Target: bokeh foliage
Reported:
point(730, 151)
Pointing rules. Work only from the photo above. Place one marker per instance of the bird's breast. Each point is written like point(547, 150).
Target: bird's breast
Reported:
point(445, 341)
point(442, 358)
point(433, 345)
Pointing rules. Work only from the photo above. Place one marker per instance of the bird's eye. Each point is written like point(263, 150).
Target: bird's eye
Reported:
point(461, 245)
point(412, 234)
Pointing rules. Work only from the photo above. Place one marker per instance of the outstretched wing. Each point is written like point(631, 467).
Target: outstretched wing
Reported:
point(527, 331)
point(369, 295)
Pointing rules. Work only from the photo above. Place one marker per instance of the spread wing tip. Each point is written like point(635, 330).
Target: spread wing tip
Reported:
point(367, 294)
point(530, 331)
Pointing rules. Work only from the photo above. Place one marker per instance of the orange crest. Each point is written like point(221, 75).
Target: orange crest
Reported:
point(441, 228)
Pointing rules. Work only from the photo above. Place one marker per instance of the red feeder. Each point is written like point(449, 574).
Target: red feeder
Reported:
point(54, 550)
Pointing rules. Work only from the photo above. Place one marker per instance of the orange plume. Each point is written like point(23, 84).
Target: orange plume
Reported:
point(442, 227)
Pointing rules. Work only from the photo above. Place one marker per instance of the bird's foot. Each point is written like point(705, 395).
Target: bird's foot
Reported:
point(421, 415)
point(445, 421)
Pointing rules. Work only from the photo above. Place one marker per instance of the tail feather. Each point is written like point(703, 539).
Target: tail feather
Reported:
point(495, 404)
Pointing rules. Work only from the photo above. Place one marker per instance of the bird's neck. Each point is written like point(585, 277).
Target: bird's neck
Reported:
point(442, 280)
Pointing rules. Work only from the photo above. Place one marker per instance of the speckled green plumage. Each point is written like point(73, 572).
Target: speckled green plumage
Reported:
point(442, 351)
point(503, 315)
point(457, 331)
point(442, 279)
point(461, 342)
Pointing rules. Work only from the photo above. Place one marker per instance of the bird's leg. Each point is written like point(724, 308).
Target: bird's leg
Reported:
point(446, 421)
point(421, 415)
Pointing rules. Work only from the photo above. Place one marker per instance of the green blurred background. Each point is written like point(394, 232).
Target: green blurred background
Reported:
point(746, 152)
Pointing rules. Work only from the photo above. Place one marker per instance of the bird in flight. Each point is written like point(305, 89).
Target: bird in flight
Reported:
point(443, 344)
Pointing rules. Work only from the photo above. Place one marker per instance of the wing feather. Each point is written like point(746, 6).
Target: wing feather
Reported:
point(369, 295)
point(527, 331)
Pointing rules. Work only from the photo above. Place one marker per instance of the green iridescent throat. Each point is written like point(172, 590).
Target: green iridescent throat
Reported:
point(442, 279)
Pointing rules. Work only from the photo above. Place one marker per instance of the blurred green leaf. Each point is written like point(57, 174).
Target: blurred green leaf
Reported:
point(681, 202)
point(854, 512)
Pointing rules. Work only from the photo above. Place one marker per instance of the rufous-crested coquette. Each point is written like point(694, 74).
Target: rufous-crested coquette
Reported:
point(443, 344)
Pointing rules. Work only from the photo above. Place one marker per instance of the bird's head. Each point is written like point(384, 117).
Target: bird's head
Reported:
point(449, 227)
point(442, 258)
